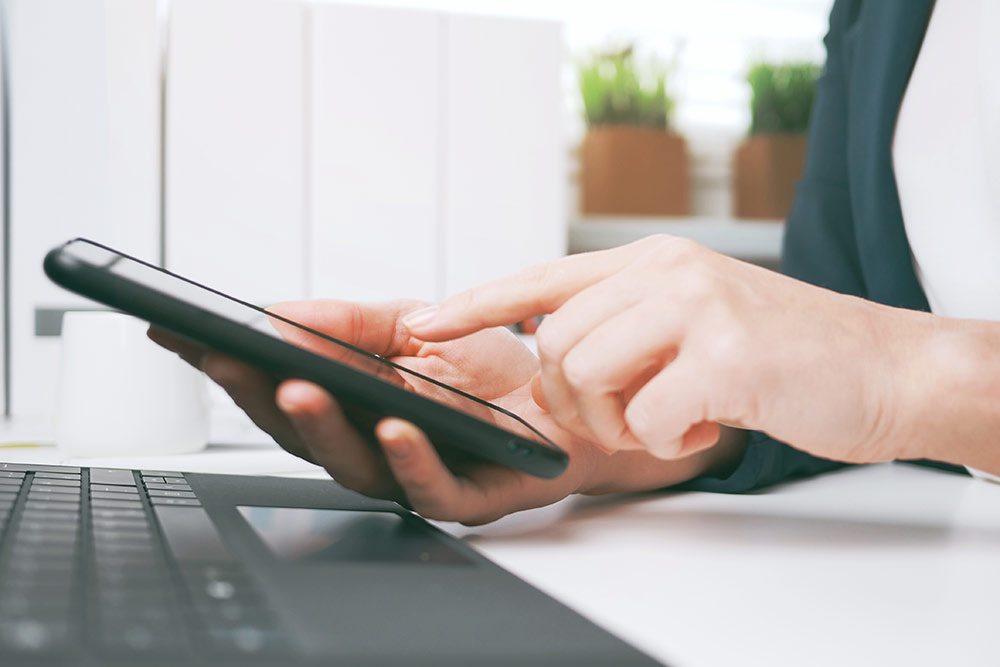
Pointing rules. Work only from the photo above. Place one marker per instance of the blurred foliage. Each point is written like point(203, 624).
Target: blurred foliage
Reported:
point(617, 92)
point(782, 96)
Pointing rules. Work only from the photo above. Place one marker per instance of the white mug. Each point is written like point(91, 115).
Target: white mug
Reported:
point(120, 394)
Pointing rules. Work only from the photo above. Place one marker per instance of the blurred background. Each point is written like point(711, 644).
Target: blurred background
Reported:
point(285, 149)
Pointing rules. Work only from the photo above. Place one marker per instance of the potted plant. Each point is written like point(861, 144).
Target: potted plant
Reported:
point(768, 164)
point(631, 162)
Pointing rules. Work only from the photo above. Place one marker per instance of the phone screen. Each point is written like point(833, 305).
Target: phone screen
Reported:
point(275, 325)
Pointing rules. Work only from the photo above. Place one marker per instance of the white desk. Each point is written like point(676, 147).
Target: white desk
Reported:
point(888, 564)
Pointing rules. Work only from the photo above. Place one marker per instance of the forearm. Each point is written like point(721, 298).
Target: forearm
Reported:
point(953, 395)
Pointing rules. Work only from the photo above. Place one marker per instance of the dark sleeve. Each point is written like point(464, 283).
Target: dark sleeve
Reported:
point(819, 248)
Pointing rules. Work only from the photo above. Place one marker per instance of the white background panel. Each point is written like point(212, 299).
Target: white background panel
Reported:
point(235, 145)
point(505, 169)
point(66, 59)
point(376, 102)
point(3, 199)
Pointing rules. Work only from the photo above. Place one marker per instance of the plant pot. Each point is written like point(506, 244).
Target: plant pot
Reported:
point(634, 171)
point(766, 168)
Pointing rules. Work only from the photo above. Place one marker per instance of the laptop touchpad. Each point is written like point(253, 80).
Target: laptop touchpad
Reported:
point(326, 535)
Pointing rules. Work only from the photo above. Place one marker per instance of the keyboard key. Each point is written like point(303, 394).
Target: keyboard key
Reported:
point(186, 502)
point(108, 513)
point(130, 526)
point(159, 473)
point(57, 475)
point(246, 639)
point(155, 480)
point(68, 490)
point(34, 635)
point(55, 482)
point(169, 487)
point(127, 490)
point(44, 516)
point(45, 525)
point(43, 505)
point(31, 467)
point(117, 503)
point(174, 480)
point(46, 538)
point(158, 493)
point(112, 476)
point(11, 475)
point(144, 637)
point(118, 537)
point(111, 495)
point(10, 482)
point(54, 497)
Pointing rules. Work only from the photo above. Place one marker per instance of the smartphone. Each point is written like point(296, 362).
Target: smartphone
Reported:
point(367, 386)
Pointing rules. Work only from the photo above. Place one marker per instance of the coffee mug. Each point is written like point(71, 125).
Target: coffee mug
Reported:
point(120, 394)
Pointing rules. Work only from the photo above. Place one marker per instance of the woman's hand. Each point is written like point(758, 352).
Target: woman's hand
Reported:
point(397, 461)
point(654, 344)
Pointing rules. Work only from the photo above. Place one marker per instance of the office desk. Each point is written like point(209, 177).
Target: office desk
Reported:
point(881, 565)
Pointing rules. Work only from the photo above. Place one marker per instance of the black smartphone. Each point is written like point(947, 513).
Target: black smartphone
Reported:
point(368, 386)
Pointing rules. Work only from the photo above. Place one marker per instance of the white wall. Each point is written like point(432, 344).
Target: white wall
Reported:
point(504, 148)
point(310, 149)
point(235, 146)
point(3, 201)
point(376, 147)
point(85, 155)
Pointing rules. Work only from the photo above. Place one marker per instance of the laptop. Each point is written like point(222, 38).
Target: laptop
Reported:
point(104, 566)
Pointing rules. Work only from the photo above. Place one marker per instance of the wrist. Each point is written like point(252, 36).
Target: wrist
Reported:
point(953, 411)
point(639, 470)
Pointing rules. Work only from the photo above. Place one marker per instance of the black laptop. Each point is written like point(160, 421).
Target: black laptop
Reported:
point(153, 567)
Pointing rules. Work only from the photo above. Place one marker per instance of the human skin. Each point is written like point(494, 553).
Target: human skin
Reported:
point(657, 345)
point(397, 461)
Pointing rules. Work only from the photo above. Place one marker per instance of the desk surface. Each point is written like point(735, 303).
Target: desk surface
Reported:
point(886, 564)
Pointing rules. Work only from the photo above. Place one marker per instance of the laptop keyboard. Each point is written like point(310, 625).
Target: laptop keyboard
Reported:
point(120, 561)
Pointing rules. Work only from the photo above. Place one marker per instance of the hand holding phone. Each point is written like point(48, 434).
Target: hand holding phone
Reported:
point(398, 461)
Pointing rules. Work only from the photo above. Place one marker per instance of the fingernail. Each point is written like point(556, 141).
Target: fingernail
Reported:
point(418, 318)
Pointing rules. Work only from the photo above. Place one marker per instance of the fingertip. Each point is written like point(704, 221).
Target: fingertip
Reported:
point(392, 429)
point(299, 398)
point(537, 394)
point(700, 436)
point(666, 450)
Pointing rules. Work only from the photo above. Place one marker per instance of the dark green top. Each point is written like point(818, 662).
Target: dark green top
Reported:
point(845, 230)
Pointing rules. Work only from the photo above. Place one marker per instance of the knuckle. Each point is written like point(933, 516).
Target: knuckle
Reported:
point(672, 249)
point(696, 282)
point(541, 276)
point(727, 351)
point(578, 370)
point(551, 339)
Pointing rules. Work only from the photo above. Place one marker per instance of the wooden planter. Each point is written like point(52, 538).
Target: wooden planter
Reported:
point(766, 168)
point(634, 171)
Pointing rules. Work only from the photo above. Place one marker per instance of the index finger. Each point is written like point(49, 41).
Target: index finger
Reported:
point(537, 290)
